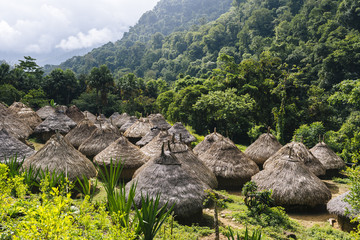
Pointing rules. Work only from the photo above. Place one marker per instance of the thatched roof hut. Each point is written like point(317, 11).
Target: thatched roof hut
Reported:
point(122, 150)
point(45, 111)
point(329, 159)
point(80, 133)
point(231, 167)
point(26, 114)
point(158, 121)
point(181, 132)
point(75, 114)
point(153, 148)
point(148, 137)
point(292, 183)
point(343, 211)
point(99, 139)
point(10, 146)
point(128, 123)
point(55, 122)
point(138, 130)
point(120, 119)
point(90, 116)
point(166, 176)
point(205, 144)
point(59, 155)
point(300, 150)
point(263, 148)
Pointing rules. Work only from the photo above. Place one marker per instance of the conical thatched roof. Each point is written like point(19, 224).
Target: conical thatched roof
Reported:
point(26, 114)
point(59, 155)
point(231, 167)
point(158, 121)
point(128, 123)
point(55, 122)
point(75, 114)
point(120, 119)
point(80, 133)
point(166, 176)
point(90, 116)
point(300, 150)
point(205, 144)
point(180, 131)
point(45, 111)
point(339, 206)
point(99, 139)
point(148, 137)
point(328, 158)
point(153, 148)
point(292, 183)
point(263, 148)
point(138, 129)
point(10, 146)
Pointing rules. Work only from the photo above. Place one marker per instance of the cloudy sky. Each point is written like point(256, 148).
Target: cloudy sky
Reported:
point(53, 30)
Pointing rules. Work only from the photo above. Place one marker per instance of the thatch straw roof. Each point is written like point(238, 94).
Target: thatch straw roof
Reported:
point(90, 116)
point(205, 144)
point(339, 206)
point(300, 150)
point(59, 155)
point(158, 120)
point(26, 114)
point(165, 175)
point(263, 148)
point(80, 133)
point(75, 114)
point(10, 146)
point(99, 139)
point(148, 137)
point(55, 122)
point(181, 132)
point(138, 129)
point(328, 158)
point(45, 111)
point(13, 125)
point(128, 123)
point(231, 167)
point(153, 148)
point(120, 119)
point(292, 183)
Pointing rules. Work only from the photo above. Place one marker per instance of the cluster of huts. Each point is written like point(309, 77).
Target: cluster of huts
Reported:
point(159, 157)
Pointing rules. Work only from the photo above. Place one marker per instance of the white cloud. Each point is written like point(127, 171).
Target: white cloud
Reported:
point(8, 35)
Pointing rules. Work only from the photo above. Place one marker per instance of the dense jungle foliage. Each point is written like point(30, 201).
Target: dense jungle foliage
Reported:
point(291, 65)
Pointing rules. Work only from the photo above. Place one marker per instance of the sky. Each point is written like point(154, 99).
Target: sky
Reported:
point(53, 30)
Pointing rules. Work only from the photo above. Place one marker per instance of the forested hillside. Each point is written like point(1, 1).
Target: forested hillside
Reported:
point(289, 64)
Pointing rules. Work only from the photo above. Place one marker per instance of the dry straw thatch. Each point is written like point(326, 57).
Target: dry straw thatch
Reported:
point(80, 133)
point(128, 123)
point(153, 148)
point(181, 132)
point(165, 175)
point(138, 129)
point(45, 111)
point(120, 119)
point(231, 167)
point(75, 114)
point(57, 122)
point(99, 139)
point(263, 148)
point(158, 121)
point(148, 137)
point(123, 151)
point(59, 155)
point(90, 116)
point(205, 144)
point(293, 185)
point(329, 159)
point(26, 114)
point(301, 151)
point(10, 146)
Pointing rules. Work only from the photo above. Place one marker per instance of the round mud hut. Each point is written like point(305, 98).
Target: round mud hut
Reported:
point(10, 147)
point(45, 111)
point(153, 148)
point(343, 211)
point(329, 159)
point(132, 120)
point(75, 114)
point(181, 132)
point(148, 137)
point(26, 114)
point(302, 152)
point(80, 133)
point(124, 152)
point(264, 147)
point(138, 130)
point(293, 185)
point(205, 144)
point(166, 176)
point(60, 156)
point(231, 167)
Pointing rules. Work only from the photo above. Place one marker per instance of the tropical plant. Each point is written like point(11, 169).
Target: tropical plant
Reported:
point(231, 235)
point(256, 201)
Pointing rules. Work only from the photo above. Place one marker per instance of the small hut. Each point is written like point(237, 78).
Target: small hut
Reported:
point(123, 151)
point(181, 132)
point(343, 211)
point(166, 176)
point(153, 148)
point(329, 159)
point(300, 150)
point(128, 123)
point(205, 144)
point(231, 167)
point(80, 133)
point(89, 116)
point(293, 185)
point(45, 111)
point(158, 121)
point(138, 130)
point(99, 139)
point(10, 146)
point(263, 148)
point(26, 114)
point(148, 137)
point(75, 114)
point(57, 122)
point(120, 119)
point(60, 156)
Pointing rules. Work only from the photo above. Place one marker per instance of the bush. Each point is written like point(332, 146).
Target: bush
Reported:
point(309, 133)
